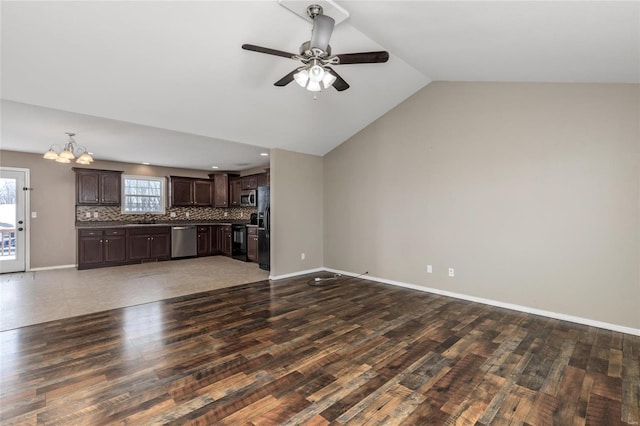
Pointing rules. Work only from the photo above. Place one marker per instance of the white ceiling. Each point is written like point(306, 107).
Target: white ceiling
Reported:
point(167, 82)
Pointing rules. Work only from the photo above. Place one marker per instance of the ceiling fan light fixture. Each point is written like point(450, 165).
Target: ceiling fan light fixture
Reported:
point(328, 79)
point(314, 78)
point(302, 77)
point(316, 73)
point(314, 86)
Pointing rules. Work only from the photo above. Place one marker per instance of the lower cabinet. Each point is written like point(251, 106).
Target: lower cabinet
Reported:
point(252, 244)
point(226, 243)
point(148, 243)
point(101, 247)
point(204, 241)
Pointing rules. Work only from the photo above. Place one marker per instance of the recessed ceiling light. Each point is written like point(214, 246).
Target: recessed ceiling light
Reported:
point(145, 163)
point(264, 154)
point(214, 167)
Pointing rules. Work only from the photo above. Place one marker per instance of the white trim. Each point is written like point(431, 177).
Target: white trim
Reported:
point(46, 268)
point(295, 274)
point(513, 307)
point(27, 213)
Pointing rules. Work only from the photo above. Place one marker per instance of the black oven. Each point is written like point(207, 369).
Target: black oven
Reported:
point(239, 242)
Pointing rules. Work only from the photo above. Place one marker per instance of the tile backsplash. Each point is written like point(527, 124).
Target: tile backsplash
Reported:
point(114, 213)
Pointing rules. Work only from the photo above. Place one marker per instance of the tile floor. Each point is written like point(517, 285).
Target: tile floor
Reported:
point(35, 297)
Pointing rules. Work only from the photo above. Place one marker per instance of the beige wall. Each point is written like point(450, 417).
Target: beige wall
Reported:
point(530, 191)
point(53, 234)
point(296, 206)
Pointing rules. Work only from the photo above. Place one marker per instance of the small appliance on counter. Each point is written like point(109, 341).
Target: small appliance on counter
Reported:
point(254, 219)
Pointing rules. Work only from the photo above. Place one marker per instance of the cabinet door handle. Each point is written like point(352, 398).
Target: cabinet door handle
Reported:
point(106, 241)
point(100, 240)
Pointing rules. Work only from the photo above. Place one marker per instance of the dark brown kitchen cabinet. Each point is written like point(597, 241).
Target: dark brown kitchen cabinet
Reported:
point(202, 192)
point(263, 179)
point(221, 190)
point(148, 243)
point(188, 192)
point(221, 240)
point(181, 192)
point(226, 240)
point(235, 187)
point(97, 187)
point(101, 247)
point(204, 241)
point(216, 239)
point(252, 243)
point(250, 182)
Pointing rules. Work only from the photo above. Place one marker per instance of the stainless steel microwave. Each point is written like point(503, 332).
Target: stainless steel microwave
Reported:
point(248, 198)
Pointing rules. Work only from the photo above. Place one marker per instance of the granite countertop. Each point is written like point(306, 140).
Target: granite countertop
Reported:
point(117, 224)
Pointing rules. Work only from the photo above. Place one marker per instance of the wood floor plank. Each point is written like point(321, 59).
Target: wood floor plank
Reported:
point(355, 352)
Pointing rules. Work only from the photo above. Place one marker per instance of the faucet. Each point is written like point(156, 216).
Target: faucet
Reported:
point(148, 218)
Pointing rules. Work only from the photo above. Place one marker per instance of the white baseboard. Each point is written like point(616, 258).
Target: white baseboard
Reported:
point(295, 274)
point(519, 308)
point(47, 268)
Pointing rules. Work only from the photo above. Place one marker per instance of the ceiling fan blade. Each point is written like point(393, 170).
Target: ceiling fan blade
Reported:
point(321, 33)
point(286, 79)
point(363, 58)
point(340, 85)
point(268, 51)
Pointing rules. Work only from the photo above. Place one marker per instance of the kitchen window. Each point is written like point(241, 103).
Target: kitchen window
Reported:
point(142, 194)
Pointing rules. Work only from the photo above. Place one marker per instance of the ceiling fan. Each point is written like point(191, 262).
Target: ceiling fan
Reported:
point(315, 54)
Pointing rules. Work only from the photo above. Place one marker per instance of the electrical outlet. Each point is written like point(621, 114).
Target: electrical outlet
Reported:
point(226, 214)
point(302, 256)
point(450, 272)
point(186, 215)
point(87, 214)
point(95, 214)
point(241, 214)
point(34, 215)
point(429, 269)
point(172, 214)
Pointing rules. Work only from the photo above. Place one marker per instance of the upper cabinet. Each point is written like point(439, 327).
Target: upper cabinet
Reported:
point(221, 190)
point(235, 188)
point(188, 192)
point(250, 182)
point(202, 192)
point(263, 179)
point(97, 187)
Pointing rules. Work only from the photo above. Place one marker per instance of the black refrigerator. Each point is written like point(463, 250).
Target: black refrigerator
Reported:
point(264, 228)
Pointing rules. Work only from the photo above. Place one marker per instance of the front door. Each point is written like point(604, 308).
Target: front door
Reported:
point(13, 216)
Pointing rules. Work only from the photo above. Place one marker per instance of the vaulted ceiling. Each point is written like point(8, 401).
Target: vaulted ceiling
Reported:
point(167, 82)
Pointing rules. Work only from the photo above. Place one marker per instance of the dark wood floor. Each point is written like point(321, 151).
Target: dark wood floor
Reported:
point(287, 353)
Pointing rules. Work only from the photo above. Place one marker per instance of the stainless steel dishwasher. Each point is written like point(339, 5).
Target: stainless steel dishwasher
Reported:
point(184, 241)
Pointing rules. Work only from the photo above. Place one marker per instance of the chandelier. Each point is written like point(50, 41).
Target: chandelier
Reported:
point(70, 151)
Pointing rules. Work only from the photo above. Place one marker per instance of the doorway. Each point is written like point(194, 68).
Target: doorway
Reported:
point(14, 184)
